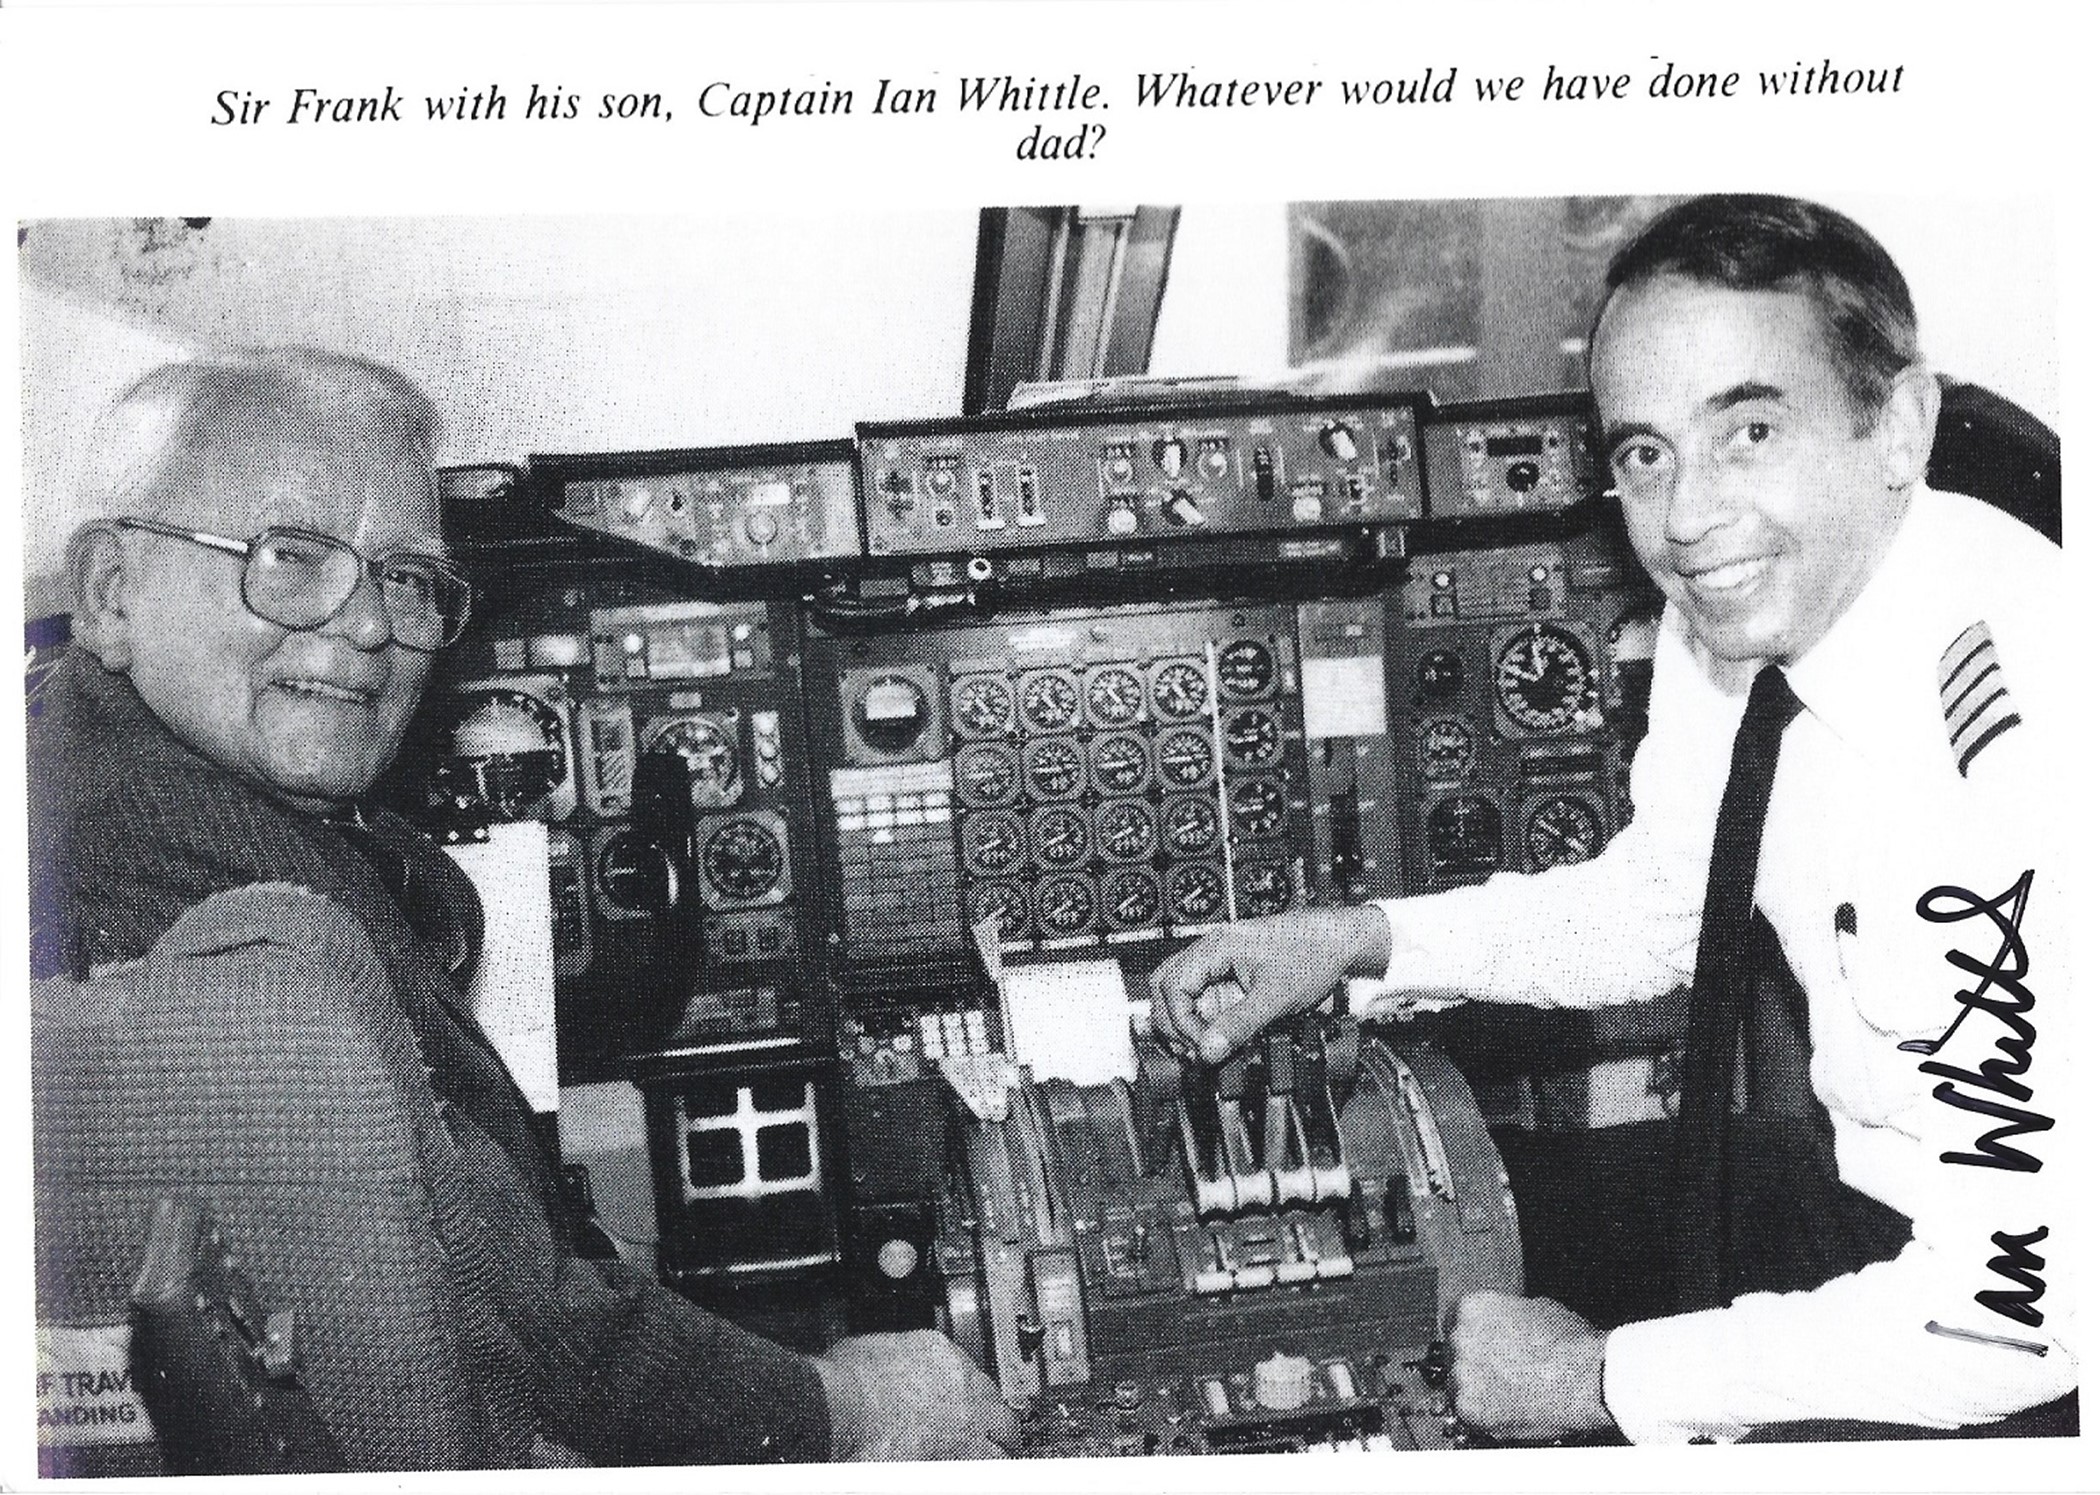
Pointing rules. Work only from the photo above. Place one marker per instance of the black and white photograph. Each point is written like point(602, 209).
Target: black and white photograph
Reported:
point(1415, 826)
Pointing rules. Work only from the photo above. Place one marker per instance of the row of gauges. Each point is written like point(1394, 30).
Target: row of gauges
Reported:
point(1113, 695)
point(509, 753)
point(999, 842)
point(1464, 834)
point(1051, 768)
point(1133, 899)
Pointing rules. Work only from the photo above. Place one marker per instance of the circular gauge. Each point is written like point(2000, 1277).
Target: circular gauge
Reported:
point(1060, 836)
point(891, 713)
point(1542, 679)
point(982, 705)
point(1123, 827)
point(1440, 674)
point(1445, 750)
point(1465, 835)
point(1252, 737)
point(987, 775)
point(1245, 668)
point(1265, 888)
point(1562, 830)
point(1191, 824)
point(1114, 696)
point(1054, 767)
point(1184, 758)
point(508, 754)
point(1119, 763)
point(742, 861)
point(1131, 898)
point(1257, 807)
point(709, 749)
point(1005, 902)
point(1050, 702)
point(1064, 904)
point(993, 843)
point(1179, 690)
point(1196, 894)
point(634, 875)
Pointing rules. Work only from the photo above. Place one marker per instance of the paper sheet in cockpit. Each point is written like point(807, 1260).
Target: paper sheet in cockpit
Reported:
point(1071, 1021)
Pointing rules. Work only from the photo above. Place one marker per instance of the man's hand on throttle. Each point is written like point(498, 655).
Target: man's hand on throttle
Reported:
point(1527, 1370)
point(911, 1396)
point(1220, 992)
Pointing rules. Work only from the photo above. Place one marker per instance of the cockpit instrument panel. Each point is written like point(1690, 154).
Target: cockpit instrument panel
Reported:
point(1099, 778)
point(1086, 475)
point(1509, 457)
point(722, 509)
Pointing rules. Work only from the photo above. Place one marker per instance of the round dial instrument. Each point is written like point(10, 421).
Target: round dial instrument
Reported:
point(1562, 830)
point(1054, 767)
point(1050, 702)
point(993, 843)
point(1115, 696)
point(1252, 737)
point(1257, 807)
point(1465, 835)
point(1184, 758)
point(1542, 679)
point(987, 775)
point(1064, 904)
point(1131, 898)
point(982, 705)
point(742, 861)
point(1123, 827)
point(711, 759)
point(1191, 824)
point(634, 875)
point(1119, 763)
point(1440, 674)
point(1004, 900)
point(1195, 893)
point(1265, 888)
point(1060, 836)
point(1180, 690)
point(1246, 668)
point(1445, 750)
point(891, 713)
point(508, 754)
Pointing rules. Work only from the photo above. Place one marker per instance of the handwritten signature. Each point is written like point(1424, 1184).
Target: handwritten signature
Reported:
point(2016, 1263)
point(2000, 990)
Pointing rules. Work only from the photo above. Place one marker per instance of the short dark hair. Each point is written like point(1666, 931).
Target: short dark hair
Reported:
point(1747, 242)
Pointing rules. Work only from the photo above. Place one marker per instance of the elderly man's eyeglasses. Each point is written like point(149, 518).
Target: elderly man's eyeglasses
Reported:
point(298, 579)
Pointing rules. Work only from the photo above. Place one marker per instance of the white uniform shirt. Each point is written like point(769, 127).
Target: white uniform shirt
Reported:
point(1870, 810)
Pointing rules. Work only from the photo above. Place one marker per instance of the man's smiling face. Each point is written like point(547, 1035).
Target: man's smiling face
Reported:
point(314, 713)
point(1755, 494)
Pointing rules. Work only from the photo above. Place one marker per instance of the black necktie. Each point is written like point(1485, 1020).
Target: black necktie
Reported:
point(1722, 984)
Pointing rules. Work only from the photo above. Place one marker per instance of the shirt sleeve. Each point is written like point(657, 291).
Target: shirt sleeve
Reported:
point(1621, 927)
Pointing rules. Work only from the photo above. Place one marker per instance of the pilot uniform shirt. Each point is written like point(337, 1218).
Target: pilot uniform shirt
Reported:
point(1909, 853)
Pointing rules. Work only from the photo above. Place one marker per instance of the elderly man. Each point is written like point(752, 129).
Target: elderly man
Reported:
point(1852, 678)
point(254, 620)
